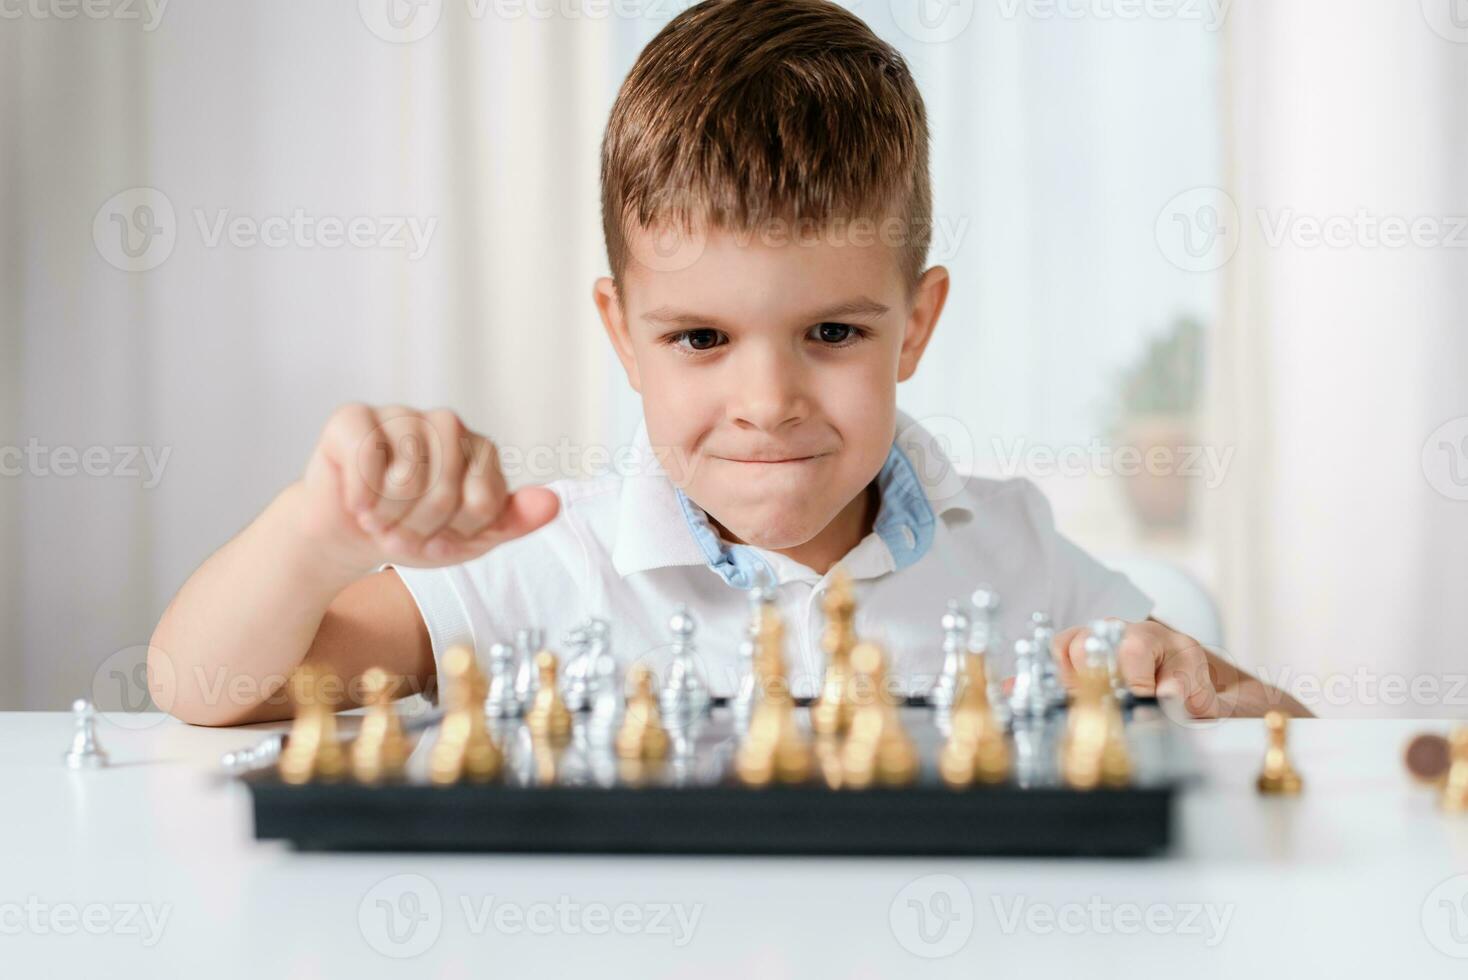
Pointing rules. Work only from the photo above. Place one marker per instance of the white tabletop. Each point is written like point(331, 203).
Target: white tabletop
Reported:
point(148, 868)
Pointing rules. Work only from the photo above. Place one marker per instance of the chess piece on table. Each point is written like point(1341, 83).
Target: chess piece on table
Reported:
point(381, 748)
point(878, 750)
point(312, 750)
point(774, 749)
point(548, 718)
point(84, 753)
point(831, 712)
point(1043, 638)
point(761, 601)
point(955, 649)
point(1094, 751)
point(642, 735)
point(464, 749)
point(1027, 699)
point(606, 707)
point(1112, 632)
point(1455, 786)
point(685, 695)
point(575, 686)
point(975, 749)
point(501, 702)
point(986, 640)
point(528, 643)
point(1278, 776)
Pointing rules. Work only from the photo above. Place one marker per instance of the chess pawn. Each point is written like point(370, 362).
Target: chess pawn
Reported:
point(685, 694)
point(464, 749)
point(1043, 638)
point(548, 718)
point(986, 640)
point(501, 701)
point(1027, 700)
point(955, 637)
point(761, 603)
point(527, 643)
point(642, 735)
point(381, 749)
point(975, 748)
point(831, 712)
point(774, 749)
point(606, 706)
point(1455, 785)
point(312, 750)
point(1083, 751)
point(877, 748)
point(84, 753)
point(1278, 776)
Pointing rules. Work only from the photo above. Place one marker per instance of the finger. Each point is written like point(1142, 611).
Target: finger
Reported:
point(484, 492)
point(412, 452)
point(525, 510)
point(439, 502)
point(357, 472)
point(1184, 675)
point(1138, 658)
point(1070, 646)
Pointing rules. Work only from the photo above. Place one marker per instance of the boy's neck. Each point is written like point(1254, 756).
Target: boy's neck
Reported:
point(836, 539)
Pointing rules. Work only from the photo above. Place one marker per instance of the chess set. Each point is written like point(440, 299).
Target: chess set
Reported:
point(530, 757)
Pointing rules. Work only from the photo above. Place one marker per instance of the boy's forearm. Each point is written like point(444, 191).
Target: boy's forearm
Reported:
point(245, 619)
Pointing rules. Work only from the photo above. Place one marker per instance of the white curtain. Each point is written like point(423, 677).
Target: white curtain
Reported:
point(1341, 543)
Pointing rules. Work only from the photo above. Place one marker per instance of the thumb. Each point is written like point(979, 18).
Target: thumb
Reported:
point(525, 510)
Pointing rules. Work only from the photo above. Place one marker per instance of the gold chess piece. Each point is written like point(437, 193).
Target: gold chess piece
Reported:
point(1455, 787)
point(1084, 745)
point(877, 749)
point(642, 735)
point(774, 749)
point(1278, 777)
point(312, 750)
point(975, 749)
point(831, 713)
point(548, 718)
point(465, 749)
point(381, 749)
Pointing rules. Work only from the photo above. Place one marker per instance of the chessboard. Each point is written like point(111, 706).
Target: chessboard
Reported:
point(583, 799)
point(527, 757)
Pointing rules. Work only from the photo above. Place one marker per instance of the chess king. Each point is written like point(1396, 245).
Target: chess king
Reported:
point(766, 206)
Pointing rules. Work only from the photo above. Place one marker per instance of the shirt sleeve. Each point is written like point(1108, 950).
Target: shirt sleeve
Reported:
point(1081, 588)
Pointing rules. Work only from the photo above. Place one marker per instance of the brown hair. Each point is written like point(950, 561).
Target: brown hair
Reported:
point(744, 112)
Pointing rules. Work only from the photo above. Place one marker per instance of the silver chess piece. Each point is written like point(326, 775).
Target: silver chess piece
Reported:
point(528, 642)
point(606, 705)
point(685, 694)
point(955, 636)
point(85, 753)
point(1028, 700)
point(1111, 632)
point(575, 682)
point(1043, 638)
point(501, 701)
point(985, 639)
point(760, 596)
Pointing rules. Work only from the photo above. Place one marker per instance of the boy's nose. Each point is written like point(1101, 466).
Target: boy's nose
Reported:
point(770, 391)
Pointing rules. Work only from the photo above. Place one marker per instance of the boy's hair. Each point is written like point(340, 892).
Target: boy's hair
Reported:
point(745, 113)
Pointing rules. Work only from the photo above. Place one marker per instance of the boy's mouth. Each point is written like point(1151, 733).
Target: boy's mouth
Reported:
point(773, 460)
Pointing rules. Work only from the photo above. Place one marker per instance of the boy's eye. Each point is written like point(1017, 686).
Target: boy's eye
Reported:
point(694, 341)
point(838, 334)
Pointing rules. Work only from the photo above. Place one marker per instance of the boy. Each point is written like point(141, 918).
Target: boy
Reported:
point(766, 206)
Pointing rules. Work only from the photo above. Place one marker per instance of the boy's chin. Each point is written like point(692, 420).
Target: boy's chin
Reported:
point(773, 536)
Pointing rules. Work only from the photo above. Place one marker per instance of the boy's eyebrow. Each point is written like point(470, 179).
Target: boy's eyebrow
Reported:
point(860, 306)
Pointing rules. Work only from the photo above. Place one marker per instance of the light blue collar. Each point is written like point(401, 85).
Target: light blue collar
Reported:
point(904, 523)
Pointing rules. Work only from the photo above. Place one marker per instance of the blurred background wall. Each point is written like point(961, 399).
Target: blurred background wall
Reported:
point(1209, 289)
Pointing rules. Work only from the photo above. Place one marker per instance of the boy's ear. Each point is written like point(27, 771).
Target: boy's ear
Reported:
point(614, 319)
point(928, 300)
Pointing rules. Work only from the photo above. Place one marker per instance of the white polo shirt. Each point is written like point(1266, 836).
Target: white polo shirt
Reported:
point(630, 549)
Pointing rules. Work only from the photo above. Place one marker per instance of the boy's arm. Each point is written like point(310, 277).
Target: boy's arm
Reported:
point(384, 485)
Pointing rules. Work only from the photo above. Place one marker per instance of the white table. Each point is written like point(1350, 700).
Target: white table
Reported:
point(1360, 876)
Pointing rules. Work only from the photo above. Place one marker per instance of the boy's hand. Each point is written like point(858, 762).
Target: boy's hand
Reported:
point(412, 488)
point(1156, 661)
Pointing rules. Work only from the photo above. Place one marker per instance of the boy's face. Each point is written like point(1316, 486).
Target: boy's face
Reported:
point(768, 371)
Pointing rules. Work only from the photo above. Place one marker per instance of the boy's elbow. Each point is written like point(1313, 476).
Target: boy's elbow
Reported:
point(172, 692)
